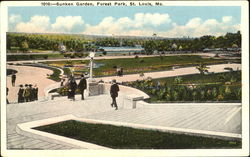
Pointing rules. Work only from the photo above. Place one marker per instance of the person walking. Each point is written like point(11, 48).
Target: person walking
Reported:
point(82, 86)
point(114, 89)
point(20, 94)
point(13, 79)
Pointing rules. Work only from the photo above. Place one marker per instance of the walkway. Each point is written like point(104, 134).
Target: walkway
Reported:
point(171, 73)
point(214, 117)
point(31, 75)
point(207, 117)
point(28, 75)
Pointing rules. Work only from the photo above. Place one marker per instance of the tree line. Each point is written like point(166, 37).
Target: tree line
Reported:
point(78, 43)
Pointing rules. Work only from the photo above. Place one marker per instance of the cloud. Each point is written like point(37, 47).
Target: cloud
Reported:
point(127, 26)
point(14, 18)
point(227, 19)
point(37, 23)
point(68, 24)
point(141, 24)
point(42, 24)
point(197, 27)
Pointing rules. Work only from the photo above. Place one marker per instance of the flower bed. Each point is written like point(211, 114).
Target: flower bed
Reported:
point(224, 87)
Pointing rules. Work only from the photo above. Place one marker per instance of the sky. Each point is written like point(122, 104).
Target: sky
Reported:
point(165, 21)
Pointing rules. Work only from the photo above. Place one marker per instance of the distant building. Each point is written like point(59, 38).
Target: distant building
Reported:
point(62, 48)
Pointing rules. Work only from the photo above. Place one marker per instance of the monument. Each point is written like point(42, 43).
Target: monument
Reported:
point(94, 88)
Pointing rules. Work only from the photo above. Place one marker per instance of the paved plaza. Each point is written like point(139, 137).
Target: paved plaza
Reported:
point(216, 118)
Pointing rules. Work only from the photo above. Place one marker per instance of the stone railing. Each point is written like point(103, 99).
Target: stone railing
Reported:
point(130, 96)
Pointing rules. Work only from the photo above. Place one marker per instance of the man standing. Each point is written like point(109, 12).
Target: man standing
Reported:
point(82, 85)
point(13, 79)
point(7, 93)
point(72, 88)
point(114, 93)
point(26, 93)
point(20, 94)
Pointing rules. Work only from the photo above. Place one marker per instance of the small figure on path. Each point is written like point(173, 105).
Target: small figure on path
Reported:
point(26, 93)
point(7, 92)
point(13, 79)
point(114, 93)
point(35, 92)
point(121, 71)
point(62, 82)
point(82, 86)
point(72, 88)
point(20, 94)
point(31, 90)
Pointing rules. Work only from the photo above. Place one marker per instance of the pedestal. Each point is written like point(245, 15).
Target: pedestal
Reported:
point(93, 88)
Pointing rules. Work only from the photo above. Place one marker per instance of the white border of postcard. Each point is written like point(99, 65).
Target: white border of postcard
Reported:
point(136, 153)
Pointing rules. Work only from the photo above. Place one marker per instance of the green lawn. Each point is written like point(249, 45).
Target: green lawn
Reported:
point(204, 79)
point(146, 64)
point(130, 138)
point(33, 57)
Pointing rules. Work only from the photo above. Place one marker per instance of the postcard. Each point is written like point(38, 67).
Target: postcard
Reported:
point(124, 78)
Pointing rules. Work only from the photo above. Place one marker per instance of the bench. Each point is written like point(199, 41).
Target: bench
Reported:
point(53, 95)
point(129, 101)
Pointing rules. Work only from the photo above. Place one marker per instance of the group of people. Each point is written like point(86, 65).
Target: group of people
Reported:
point(27, 93)
point(72, 87)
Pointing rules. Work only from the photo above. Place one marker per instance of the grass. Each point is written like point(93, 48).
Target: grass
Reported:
point(130, 138)
point(146, 64)
point(33, 57)
point(67, 71)
point(204, 79)
point(55, 75)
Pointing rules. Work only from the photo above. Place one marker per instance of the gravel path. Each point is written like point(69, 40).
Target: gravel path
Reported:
point(28, 75)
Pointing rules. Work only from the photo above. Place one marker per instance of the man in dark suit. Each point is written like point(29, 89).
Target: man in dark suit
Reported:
point(20, 94)
point(114, 93)
point(13, 79)
point(82, 86)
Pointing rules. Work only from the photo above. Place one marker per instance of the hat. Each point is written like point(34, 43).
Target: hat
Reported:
point(20, 85)
point(26, 85)
point(114, 80)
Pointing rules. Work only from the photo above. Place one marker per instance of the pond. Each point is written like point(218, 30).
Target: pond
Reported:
point(122, 49)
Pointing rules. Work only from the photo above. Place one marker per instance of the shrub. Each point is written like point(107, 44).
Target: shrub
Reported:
point(141, 61)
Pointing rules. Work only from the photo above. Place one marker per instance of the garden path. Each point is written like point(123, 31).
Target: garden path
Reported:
point(224, 118)
point(28, 75)
point(35, 75)
point(170, 73)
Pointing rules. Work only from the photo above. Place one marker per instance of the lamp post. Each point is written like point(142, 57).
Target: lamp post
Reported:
point(93, 87)
point(91, 55)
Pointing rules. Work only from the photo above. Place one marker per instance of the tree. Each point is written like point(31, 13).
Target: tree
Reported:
point(24, 46)
point(202, 69)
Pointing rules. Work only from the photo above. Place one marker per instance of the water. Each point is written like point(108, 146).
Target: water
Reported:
point(122, 49)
